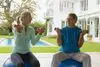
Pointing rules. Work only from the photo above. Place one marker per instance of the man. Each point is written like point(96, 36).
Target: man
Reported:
point(71, 39)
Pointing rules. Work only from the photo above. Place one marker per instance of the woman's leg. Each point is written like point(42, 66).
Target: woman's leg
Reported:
point(16, 59)
point(84, 58)
point(29, 57)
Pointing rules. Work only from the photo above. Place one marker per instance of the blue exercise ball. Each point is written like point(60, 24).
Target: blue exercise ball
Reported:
point(70, 63)
point(8, 63)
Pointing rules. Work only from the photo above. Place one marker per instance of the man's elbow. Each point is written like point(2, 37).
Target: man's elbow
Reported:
point(80, 44)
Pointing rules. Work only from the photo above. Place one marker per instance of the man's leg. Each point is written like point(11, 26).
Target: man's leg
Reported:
point(84, 58)
point(58, 57)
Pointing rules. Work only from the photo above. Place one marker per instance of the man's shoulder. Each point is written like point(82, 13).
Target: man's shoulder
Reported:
point(64, 28)
point(78, 28)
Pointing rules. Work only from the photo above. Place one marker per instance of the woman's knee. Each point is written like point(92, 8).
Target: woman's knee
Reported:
point(20, 65)
point(36, 64)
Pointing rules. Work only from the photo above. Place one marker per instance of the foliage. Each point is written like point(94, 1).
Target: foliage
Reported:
point(37, 24)
point(9, 15)
point(3, 31)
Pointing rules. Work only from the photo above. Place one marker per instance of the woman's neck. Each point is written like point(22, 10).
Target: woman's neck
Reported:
point(25, 28)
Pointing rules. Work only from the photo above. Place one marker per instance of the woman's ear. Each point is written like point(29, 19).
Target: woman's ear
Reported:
point(21, 19)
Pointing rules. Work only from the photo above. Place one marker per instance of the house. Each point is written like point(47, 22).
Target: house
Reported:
point(56, 14)
point(89, 17)
point(88, 13)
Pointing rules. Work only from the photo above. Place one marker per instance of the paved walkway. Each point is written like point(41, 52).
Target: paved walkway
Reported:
point(46, 58)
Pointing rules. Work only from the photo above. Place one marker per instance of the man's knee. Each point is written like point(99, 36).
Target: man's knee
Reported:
point(87, 57)
point(56, 56)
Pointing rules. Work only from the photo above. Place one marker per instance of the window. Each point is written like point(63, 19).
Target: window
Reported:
point(61, 6)
point(50, 27)
point(88, 25)
point(82, 23)
point(65, 5)
point(96, 26)
point(70, 5)
point(63, 24)
point(84, 5)
point(98, 1)
point(50, 23)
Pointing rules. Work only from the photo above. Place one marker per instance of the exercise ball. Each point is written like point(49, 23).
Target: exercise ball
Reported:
point(70, 63)
point(8, 63)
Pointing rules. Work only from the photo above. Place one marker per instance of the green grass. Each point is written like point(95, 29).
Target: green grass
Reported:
point(50, 39)
point(90, 47)
point(5, 36)
point(5, 49)
point(33, 49)
point(87, 47)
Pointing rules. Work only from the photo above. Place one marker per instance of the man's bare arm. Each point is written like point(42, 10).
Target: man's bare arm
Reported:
point(59, 41)
point(81, 38)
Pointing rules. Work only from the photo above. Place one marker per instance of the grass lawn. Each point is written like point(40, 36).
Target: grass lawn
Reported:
point(91, 47)
point(87, 47)
point(5, 36)
point(50, 39)
point(34, 49)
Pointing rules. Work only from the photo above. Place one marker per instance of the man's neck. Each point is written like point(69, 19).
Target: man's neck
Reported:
point(71, 26)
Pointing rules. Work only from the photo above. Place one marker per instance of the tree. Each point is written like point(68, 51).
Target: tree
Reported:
point(10, 15)
point(37, 24)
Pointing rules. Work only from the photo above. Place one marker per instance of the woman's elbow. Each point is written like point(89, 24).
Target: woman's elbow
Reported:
point(33, 43)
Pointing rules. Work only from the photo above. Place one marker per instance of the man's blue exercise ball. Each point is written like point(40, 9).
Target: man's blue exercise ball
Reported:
point(70, 63)
point(8, 63)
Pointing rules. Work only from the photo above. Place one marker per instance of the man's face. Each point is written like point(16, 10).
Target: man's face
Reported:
point(71, 21)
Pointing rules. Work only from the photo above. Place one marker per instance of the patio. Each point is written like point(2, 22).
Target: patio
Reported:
point(46, 58)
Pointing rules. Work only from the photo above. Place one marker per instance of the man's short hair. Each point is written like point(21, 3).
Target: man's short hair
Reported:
point(73, 15)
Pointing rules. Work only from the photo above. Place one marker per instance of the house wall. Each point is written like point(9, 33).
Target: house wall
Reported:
point(91, 13)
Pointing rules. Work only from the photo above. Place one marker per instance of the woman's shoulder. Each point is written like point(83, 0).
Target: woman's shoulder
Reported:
point(31, 28)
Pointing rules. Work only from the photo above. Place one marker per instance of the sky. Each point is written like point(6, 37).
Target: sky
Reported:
point(41, 10)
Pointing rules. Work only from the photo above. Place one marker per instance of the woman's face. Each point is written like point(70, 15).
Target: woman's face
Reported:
point(26, 20)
